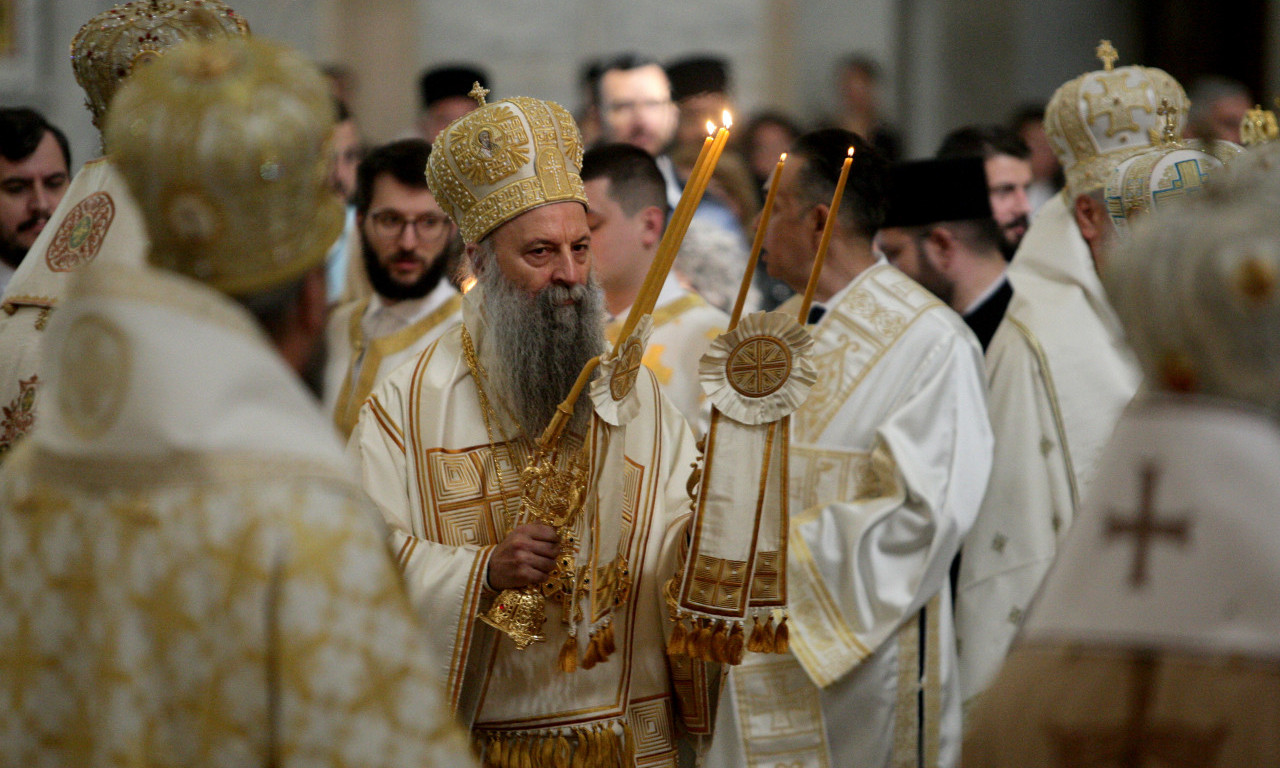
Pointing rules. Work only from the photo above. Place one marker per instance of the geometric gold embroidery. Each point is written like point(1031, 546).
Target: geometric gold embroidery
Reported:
point(765, 583)
point(718, 583)
point(650, 723)
point(780, 715)
point(469, 505)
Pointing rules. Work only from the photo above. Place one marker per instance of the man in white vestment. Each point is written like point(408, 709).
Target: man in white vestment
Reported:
point(627, 215)
point(888, 462)
point(1058, 369)
point(404, 239)
point(96, 218)
point(443, 442)
point(1154, 639)
point(190, 575)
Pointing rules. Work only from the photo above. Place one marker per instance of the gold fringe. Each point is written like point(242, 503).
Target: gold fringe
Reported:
point(734, 646)
point(782, 638)
point(701, 645)
point(564, 752)
point(676, 643)
point(592, 656)
point(494, 755)
point(569, 653)
point(547, 751)
point(628, 746)
point(526, 754)
point(579, 750)
point(767, 638)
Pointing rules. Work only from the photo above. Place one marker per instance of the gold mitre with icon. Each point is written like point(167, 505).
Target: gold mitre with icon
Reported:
point(1170, 173)
point(112, 44)
point(1101, 118)
point(504, 159)
point(1258, 126)
point(224, 146)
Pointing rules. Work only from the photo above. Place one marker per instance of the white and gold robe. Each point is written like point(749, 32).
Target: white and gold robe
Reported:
point(190, 575)
point(1059, 373)
point(428, 464)
point(96, 219)
point(356, 361)
point(684, 325)
point(889, 460)
point(1163, 649)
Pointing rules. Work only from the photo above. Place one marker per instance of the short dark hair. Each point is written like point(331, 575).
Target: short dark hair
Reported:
point(448, 80)
point(634, 179)
point(981, 236)
point(405, 160)
point(22, 130)
point(623, 62)
point(983, 141)
point(862, 209)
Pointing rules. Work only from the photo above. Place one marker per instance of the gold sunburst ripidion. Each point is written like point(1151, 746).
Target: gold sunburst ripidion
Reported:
point(624, 376)
point(760, 371)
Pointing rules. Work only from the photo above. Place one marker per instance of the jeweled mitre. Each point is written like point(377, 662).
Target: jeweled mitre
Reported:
point(1102, 118)
point(503, 159)
point(224, 147)
point(110, 45)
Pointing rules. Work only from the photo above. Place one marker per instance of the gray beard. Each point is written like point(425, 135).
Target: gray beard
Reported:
point(535, 348)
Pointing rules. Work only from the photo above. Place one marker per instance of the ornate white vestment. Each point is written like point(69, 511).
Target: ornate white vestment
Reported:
point(190, 575)
point(357, 363)
point(95, 219)
point(1156, 635)
point(888, 462)
point(428, 464)
point(1059, 373)
point(684, 325)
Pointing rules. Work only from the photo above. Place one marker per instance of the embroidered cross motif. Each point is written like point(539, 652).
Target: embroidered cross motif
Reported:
point(1116, 102)
point(1144, 527)
point(478, 92)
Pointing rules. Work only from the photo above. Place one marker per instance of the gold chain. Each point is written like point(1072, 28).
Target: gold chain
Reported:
point(486, 410)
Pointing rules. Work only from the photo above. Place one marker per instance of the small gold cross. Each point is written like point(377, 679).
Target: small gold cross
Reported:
point(1169, 113)
point(1107, 54)
point(478, 92)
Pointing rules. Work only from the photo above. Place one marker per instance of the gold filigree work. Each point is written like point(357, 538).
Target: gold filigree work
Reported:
point(624, 375)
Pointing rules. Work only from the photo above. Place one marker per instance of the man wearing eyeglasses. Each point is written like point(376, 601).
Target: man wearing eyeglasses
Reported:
point(405, 239)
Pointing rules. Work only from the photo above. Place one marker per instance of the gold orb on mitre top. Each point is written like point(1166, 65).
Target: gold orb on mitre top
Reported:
point(224, 146)
point(111, 45)
point(1102, 118)
point(505, 159)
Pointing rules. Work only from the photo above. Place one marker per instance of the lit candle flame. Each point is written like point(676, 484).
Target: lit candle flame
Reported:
point(850, 151)
point(711, 128)
point(782, 158)
point(726, 119)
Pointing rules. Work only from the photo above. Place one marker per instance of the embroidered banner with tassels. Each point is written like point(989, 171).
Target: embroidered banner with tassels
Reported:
point(755, 375)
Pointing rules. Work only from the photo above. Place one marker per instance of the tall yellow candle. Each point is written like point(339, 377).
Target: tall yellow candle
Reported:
point(657, 272)
point(757, 244)
point(826, 239)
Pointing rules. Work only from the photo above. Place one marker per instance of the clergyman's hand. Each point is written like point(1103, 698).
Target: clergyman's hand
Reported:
point(524, 558)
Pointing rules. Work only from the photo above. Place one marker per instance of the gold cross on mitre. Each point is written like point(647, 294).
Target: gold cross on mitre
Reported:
point(1107, 53)
point(1169, 133)
point(478, 92)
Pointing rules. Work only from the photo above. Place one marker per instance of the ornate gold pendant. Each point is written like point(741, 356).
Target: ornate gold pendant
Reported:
point(520, 613)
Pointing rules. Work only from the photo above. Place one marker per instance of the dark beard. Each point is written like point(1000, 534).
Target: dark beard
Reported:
point(536, 348)
point(1007, 248)
point(384, 286)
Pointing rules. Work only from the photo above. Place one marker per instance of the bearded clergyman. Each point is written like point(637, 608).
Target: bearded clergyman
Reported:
point(443, 442)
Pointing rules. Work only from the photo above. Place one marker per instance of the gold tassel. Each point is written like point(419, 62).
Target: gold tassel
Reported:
point(767, 636)
point(592, 656)
point(702, 647)
point(782, 638)
point(569, 653)
point(754, 642)
point(494, 756)
point(579, 750)
point(609, 742)
point(720, 643)
point(547, 750)
point(734, 646)
point(628, 746)
point(526, 755)
point(589, 748)
point(606, 642)
point(676, 643)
